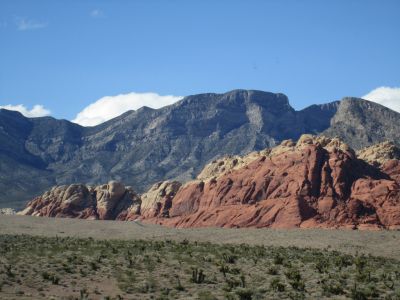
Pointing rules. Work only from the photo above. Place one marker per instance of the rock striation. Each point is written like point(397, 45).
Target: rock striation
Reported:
point(314, 182)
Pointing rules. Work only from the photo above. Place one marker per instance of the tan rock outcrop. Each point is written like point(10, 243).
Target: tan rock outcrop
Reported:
point(158, 200)
point(380, 153)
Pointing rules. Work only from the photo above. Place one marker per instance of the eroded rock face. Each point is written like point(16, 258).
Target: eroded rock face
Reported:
point(158, 200)
point(105, 202)
point(314, 182)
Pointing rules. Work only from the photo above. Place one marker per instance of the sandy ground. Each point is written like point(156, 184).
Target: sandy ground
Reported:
point(378, 243)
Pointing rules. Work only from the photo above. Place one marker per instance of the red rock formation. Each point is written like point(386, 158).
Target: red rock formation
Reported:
point(392, 168)
point(318, 182)
point(106, 202)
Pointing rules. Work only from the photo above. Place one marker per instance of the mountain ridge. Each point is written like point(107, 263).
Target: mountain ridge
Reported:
point(174, 142)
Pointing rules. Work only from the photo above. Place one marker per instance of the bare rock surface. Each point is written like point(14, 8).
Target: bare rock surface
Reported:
point(158, 200)
point(106, 202)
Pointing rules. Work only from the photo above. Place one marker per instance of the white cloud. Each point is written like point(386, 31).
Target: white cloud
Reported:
point(26, 24)
point(387, 96)
point(96, 13)
point(36, 111)
point(110, 107)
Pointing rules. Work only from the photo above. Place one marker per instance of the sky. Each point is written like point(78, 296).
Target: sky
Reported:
point(88, 61)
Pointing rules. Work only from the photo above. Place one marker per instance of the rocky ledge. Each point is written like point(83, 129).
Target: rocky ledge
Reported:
point(315, 182)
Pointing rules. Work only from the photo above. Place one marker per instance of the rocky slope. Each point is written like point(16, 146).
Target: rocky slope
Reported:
point(171, 143)
point(364, 123)
point(316, 182)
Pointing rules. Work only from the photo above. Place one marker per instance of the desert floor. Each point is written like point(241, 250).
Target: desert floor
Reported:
point(377, 243)
point(46, 258)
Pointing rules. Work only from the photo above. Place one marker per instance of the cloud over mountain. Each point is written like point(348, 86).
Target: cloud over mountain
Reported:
point(387, 96)
point(36, 111)
point(110, 107)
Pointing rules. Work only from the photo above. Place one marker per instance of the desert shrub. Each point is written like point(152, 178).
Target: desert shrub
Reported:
point(278, 259)
point(272, 270)
point(229, 258)
point(295, 279)
point(244, 294)
point(84, 295)
point(358, 294)
point(342, 261)
point(148, 286)
point(224, 269)
point(197, 276)
point(179, 286)
point(206, 295)
point(332, 288)
point(276, 285)
point(131, 268)
point(322, 265)
point(231, 283)
point(360, 262)
point(296, 296)
point(94, 266)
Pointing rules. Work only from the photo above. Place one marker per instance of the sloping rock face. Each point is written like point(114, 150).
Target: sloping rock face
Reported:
point(316, 182)
point(363, 123)
point(106, 202)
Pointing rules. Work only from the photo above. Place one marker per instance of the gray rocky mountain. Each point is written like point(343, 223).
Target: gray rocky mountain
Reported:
point(142, 147)
point(362, 123)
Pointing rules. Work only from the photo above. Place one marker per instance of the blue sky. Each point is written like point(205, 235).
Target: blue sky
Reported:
point(65, 55)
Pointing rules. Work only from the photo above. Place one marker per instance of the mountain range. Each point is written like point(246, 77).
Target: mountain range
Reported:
point(175, 142)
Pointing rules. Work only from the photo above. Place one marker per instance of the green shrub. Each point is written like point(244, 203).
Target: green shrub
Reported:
point(198, 276)
point(272, 270)
point(229, 258)
point(179, 286)
point(277, 285)
point(244, 294)
point(332, 288)
point(278, 259)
